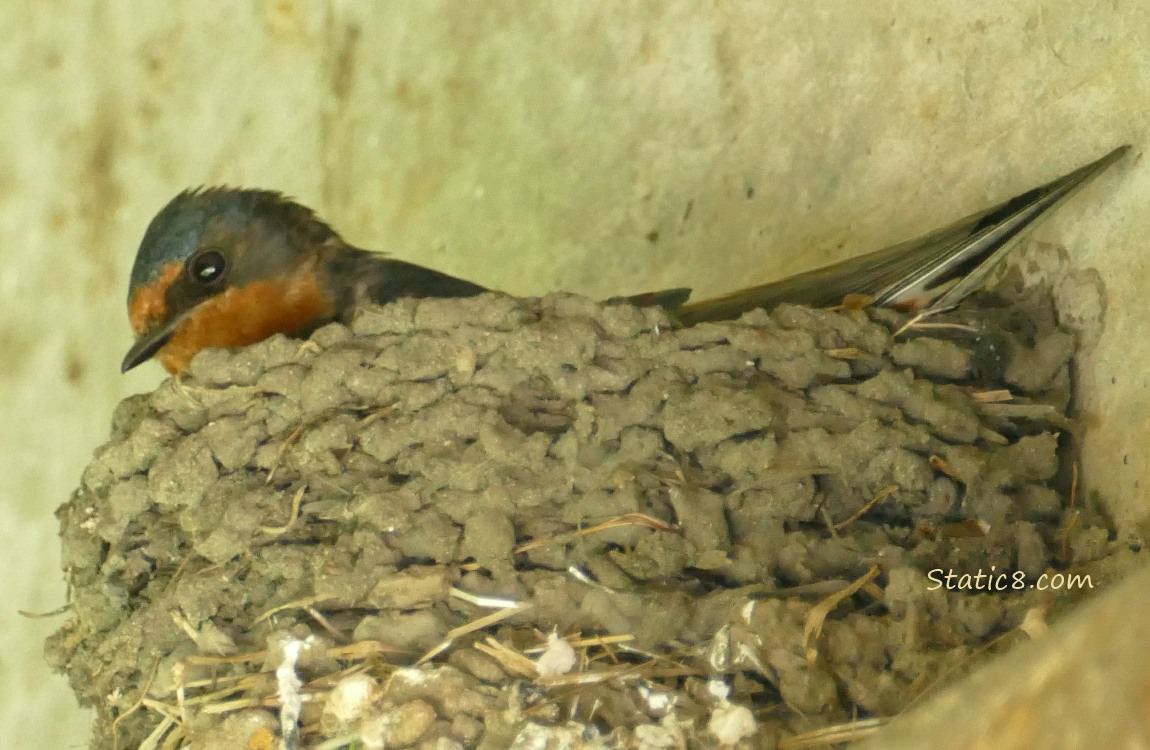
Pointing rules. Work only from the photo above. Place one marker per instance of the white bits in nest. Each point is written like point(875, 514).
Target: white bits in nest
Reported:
point(288, 684)
point(348, 700)
point(731, 723)
point(557, 659)
point(719, 689)
point(659, 701)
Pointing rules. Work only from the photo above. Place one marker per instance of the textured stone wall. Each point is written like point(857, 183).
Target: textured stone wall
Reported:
point(585, 146)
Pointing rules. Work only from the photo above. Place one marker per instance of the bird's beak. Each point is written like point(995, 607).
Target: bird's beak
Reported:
point(149, 342)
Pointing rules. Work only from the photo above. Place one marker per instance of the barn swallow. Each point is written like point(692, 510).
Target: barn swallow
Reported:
point(223, 267)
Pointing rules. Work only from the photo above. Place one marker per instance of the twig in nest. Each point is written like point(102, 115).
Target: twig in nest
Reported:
point(592, 642)
point(487, 602)
point(991, 397)
point(239, 704)
point(651, 656)
point(1073, 516)
point(181, 692)
point(289, 441)
point(325, 623)
point(629, 519)
point(378, 414)
point(471, 627)
point(1069, 526)
point(200, 660)
point(832, 735)
point(179, 573)
point(916, 323)
point(829, 522)
point(486, 620)
point(335, 743)
point(259, 682)
point(135, 706)
point(307, 424)
point(242, 682)
point(813, 626)
point(509, 658)
point(590, 678)
point(883, 493)
point(293, 515)
point(943, 678)
point(939, 464)
point(307, 601)
point(1073, 501)
point(41, 615)
point(153, 739)
point(362, 650)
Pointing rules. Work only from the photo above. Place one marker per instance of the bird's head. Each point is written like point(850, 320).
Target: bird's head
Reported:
point(223, 267)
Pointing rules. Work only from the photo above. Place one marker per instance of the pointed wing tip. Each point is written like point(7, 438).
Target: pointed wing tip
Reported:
point(1114, 155)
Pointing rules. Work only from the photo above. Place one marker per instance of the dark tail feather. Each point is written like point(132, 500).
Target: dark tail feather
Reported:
point(911, 271)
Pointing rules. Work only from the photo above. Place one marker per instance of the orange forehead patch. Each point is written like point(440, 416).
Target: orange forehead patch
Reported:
point(245, 315)
point(148, 306)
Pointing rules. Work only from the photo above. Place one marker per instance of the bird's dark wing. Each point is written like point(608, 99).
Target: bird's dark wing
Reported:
point(354, 276)
point(668, 298)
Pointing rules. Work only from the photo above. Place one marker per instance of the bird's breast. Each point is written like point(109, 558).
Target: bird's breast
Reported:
point(239, 316)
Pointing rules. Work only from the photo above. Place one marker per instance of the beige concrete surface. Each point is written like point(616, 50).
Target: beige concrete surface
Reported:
point(598, 146)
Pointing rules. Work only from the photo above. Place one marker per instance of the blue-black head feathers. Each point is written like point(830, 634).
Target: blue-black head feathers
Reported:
point(177, 230)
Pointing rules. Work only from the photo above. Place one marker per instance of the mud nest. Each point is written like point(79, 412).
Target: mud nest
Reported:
point(554, 523)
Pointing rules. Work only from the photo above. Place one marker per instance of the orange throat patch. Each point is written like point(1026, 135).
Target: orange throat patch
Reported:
point(238, 316)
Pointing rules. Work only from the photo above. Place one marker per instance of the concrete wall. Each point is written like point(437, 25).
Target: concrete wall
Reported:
point(598, 146)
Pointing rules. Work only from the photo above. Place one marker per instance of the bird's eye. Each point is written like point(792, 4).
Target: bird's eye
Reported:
point(207, 267)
